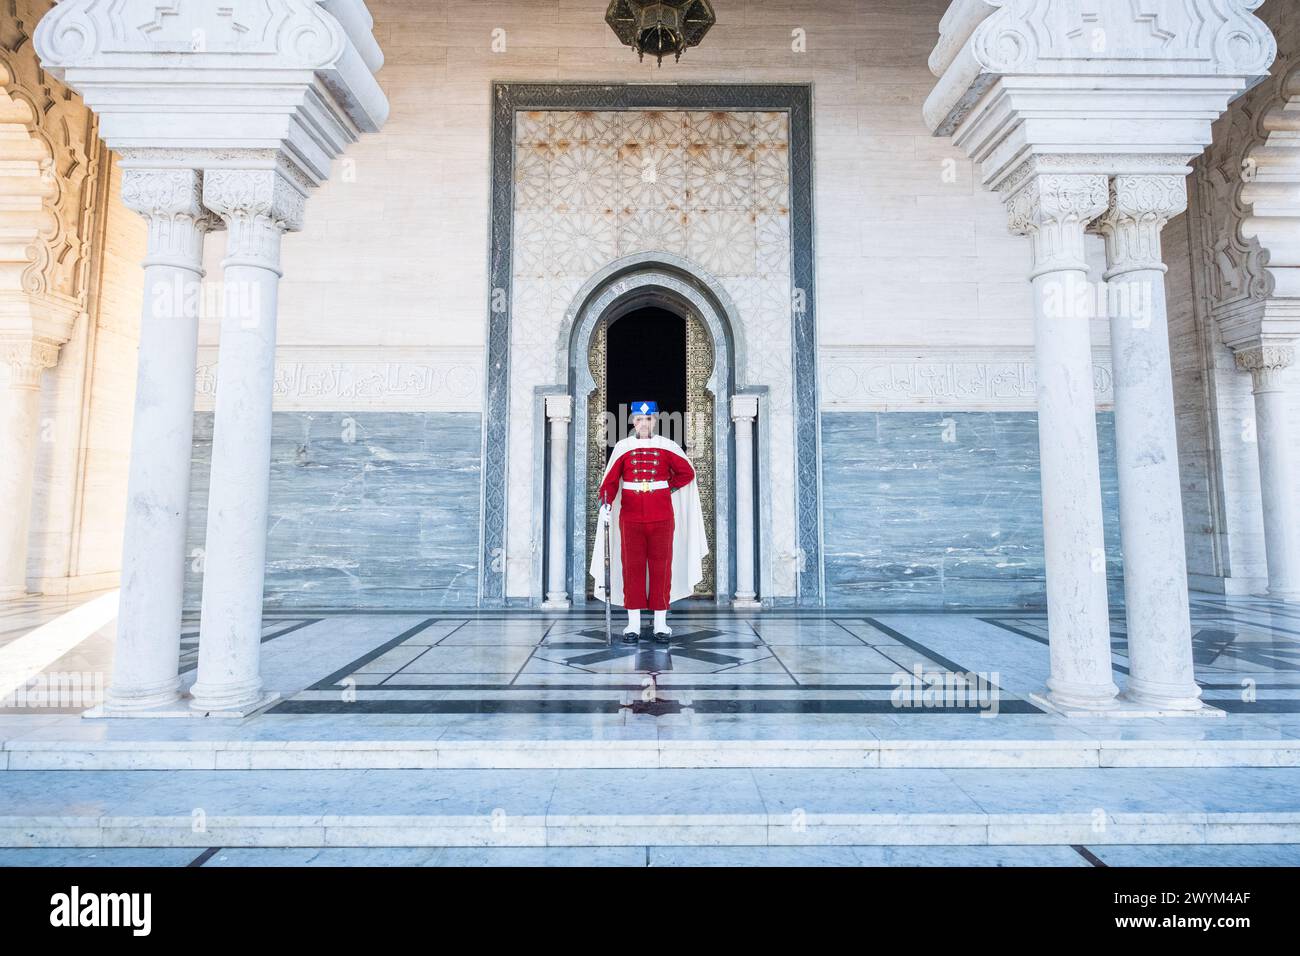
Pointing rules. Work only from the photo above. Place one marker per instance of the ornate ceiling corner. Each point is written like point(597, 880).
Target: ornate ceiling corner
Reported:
point(983, 41)
point(1244, 211)
point(312, 94)
point(49, 143)
point(1009, 88)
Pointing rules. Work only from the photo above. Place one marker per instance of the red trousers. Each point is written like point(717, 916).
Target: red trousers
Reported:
point(647, 546)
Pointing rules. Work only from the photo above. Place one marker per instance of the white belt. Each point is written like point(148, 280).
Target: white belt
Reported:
point(644, 485)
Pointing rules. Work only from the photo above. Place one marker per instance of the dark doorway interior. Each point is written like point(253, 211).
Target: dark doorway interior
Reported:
point(646, 356)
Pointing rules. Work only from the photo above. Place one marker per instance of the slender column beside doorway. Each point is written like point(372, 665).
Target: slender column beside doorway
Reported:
point(744, 409)
point(559, 412)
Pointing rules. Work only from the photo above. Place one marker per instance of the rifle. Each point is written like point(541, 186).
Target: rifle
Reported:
point(609, 597)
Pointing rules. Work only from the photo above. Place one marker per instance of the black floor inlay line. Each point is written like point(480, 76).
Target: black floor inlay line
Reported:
point(203, 857)
point(1235, 706)
point(583, 651)
point(1038, 639)
point(527, 663)
point(1087, 854)
point(331, 682)
point(190, 642)
point(951, 666)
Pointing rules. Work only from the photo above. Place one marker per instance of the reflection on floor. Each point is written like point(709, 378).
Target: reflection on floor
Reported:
point(1247, 655)
point(777, 663)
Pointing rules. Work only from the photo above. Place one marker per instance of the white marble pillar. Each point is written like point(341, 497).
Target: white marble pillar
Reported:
point(24, 358)
point(559, 412)
point(257, 206)
point(1161, 674)
point(744, 409)
point(147, 652)
point(1053, 210)
point(1265, 362)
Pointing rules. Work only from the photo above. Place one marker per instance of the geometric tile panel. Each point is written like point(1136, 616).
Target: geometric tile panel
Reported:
point(592, 186)
point(717, 172)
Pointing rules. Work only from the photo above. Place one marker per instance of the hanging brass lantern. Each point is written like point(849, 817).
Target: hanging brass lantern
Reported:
point(660, 27)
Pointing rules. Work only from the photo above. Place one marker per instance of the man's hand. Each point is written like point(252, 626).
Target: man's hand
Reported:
point(604, 514)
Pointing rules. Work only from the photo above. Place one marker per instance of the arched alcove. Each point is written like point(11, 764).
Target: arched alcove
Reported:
point(678, 287)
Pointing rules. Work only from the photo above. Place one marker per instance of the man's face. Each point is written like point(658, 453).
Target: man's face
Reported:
point(643, 424)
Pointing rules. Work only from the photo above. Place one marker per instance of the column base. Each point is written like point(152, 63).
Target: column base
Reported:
point(1082, 698)
point(246, 709)
point(1121, 708)
point(1163, 697)
point(182, 706)
point(746, 602)
point(556, 602)
point(161, 701)
point(177, 708)
point(1290, 597)
point(13, 592)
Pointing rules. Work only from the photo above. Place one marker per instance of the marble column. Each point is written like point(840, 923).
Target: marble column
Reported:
point(258, 206)
point(559, 412)
point(1053, 210)
point(744, 409)
point(1146, 443)
point(147, 653)
point(1265, 362)
point(25, 358)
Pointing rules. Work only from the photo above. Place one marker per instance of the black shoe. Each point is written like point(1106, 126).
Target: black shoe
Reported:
point(631, 637)
point(662, 637)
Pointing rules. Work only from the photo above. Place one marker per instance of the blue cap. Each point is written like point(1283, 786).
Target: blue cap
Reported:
point(645, 408)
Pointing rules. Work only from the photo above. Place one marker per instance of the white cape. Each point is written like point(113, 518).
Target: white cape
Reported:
point(690, 543)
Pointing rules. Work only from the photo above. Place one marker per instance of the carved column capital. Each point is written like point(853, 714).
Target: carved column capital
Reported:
point(27, 357)
point(1264, 362)
point(1053, 210)
point(1138, 209)
point(744, 408)
point(257, 206)
point(170, 201)
point(559, 408)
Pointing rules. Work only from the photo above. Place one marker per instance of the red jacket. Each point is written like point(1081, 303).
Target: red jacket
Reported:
point(646, 464)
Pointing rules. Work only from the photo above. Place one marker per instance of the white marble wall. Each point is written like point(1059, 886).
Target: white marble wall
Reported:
point(918, 277)
point(911, 252)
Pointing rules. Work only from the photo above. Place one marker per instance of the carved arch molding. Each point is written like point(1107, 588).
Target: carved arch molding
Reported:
point(1233, 267)
point(67, 131)
point(698, 444)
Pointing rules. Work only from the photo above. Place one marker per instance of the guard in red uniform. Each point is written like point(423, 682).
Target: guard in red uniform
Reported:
point(647, 469)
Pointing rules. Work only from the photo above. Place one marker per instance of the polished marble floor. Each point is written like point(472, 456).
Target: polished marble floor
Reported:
point(366, 697)
point(771, 663)
point(1247, 656)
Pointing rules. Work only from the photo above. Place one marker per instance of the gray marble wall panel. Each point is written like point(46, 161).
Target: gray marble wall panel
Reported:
point(367, 509)
point(943, 509)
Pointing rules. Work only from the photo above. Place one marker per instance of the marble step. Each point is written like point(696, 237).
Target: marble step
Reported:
point(400, 751)
point(662, 807)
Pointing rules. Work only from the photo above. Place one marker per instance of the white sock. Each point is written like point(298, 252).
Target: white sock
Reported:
point(633, 620)
point(661, 622)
